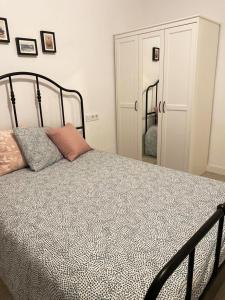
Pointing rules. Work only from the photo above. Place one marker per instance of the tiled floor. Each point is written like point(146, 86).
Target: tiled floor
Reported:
point(4, 293)
point(214, 176)
point(217, 289)
point(216, 292)
point(149, 159)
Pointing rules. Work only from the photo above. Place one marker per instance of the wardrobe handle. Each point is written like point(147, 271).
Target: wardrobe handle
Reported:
point(164, 106)
point(160, 107)
point(135, 105)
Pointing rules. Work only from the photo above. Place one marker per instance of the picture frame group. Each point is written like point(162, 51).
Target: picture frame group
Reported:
point(48, 42)
point(155, 53)
point(4, 31)
point(28, 46)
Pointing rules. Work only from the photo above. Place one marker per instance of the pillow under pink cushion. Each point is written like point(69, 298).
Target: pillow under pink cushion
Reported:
point(68, 140)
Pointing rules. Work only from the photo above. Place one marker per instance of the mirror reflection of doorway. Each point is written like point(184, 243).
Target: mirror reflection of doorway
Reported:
point(151, 124)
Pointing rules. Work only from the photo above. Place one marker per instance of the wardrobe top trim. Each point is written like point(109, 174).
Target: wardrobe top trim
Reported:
point(161, 26)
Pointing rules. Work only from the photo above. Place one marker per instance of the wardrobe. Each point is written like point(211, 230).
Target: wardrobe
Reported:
point(182, 57)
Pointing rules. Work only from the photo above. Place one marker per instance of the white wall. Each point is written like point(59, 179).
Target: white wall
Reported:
point(84, 60)
point(163, 10)
point(84, 30)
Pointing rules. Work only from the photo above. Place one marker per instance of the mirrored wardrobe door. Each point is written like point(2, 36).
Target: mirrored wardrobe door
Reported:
point(151, 48)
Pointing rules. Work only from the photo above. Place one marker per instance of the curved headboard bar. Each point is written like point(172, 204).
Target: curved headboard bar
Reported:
point(37, 76)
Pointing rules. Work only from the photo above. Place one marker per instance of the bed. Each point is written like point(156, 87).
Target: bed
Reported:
point(109, 227)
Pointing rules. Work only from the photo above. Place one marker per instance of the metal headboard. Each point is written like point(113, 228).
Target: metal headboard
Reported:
point(146, 104)
point(9, 76)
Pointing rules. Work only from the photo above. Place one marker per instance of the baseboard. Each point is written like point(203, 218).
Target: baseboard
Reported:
point(216, 169)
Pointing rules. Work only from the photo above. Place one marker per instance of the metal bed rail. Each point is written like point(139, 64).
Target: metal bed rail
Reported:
point(9, 77)
point(188, 250)
point(146, 104)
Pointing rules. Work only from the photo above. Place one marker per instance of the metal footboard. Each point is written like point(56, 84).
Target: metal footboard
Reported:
point(189, 250)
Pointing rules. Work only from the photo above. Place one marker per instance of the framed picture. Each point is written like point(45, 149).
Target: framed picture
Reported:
point(48, 42)
point(155, 54)
point(4, 31)
point(26, 46)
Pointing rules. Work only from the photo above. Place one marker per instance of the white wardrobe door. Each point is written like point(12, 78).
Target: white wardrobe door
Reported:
point(150, 71)
point(180, 49)
point(127, 95)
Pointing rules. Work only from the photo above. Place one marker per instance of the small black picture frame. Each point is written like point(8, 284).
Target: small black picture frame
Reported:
point(4, 31)
point(48, 41)
point(26, 46)
point(155, 53)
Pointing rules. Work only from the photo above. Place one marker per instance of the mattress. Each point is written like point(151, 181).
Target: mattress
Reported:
point(102, 227)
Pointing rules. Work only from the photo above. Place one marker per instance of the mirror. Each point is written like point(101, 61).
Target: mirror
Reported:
point(150, 88)
point(151, 123)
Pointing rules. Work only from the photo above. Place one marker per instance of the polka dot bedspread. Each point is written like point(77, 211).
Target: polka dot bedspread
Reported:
point(102, 227)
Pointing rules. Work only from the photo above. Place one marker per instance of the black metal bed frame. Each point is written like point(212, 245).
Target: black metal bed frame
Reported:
point(9, 77)
point(146, 104)
point(188, 250)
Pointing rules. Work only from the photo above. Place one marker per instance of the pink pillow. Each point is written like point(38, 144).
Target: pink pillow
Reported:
point(69, 141)
point(11, 158)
